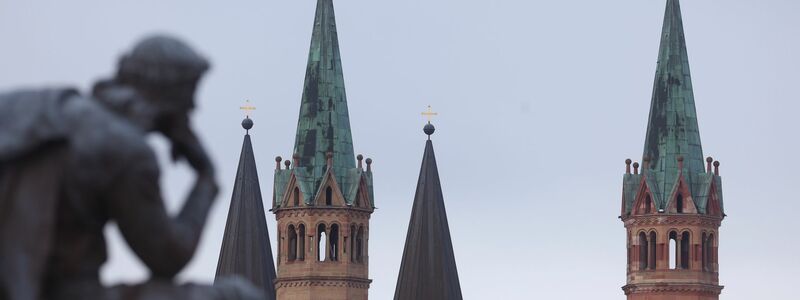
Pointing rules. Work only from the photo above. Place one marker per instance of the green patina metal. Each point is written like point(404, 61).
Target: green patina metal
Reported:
point(324, 124)
point(672, 129)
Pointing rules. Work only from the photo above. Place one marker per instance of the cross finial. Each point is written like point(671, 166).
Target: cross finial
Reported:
point(247, 108)
point(430, 114)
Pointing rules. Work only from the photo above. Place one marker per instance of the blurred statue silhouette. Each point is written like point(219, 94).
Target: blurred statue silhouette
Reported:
point(71, 163)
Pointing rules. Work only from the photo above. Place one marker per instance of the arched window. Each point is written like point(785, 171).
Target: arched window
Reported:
point(333, 243)
point(647, 204)
point(321, 242)
point(685, 243)
point(712, 254)
point(360, 245)
point(679, 204)
point(651, 262)
point(328, 196)
point(674, 251)
point(353, 233)
point(292, 251)
point(643, 251)
point(301, 242)
point(296, 197)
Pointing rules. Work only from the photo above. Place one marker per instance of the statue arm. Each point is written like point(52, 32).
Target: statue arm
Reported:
point(163, 243)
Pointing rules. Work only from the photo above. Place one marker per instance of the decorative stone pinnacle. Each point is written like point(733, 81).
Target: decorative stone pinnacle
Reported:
point(628, 166)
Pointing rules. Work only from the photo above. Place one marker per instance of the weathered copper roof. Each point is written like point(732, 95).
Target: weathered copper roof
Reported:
point(246, 249)
point(672, 129)
point(428, 270)
point(324, 124)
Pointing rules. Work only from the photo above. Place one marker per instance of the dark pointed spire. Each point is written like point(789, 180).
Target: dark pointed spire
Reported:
point(246, 249)
point(672, 129)
point(324, 124)
point(428, 270)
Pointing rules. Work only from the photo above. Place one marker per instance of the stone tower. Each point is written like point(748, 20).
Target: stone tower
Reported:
point(323, 199)
point(672, 209)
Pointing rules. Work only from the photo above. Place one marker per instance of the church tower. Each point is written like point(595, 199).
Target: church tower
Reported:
point(672, 209)
point(323, 199)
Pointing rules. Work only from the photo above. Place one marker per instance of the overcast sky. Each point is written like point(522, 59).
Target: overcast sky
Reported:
point(540, 103)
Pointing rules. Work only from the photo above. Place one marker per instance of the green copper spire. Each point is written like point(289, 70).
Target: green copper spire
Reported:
point(324, 124)
point(672, 129)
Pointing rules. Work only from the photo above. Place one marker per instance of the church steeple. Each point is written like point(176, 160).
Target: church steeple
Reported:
point(246, 249)
point(672, 130)
point(324, 124)
point(672, 210)
point(323, 200)
point(428, 270)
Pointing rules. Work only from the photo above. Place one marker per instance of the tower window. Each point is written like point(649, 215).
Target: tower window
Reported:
point(360, 245)
point(685, 243)
point(296, 197)
point(353, 233)
point(651, 262)
point(333, 243)
point(679, 204)
point(321, 242)
point(292, 251)
point(301, 242)
point(712, 254)
point(674, 251)
point(647, 204)
point(704, 252)
point(643, 251)
point(328, 196)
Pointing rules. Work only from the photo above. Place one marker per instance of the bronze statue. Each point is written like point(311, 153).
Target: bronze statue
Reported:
point(70, 164)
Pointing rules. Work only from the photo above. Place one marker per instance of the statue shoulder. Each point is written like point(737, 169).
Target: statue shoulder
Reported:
point(30, 118)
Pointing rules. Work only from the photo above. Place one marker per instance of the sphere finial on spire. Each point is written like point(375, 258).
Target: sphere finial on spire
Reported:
point(429, 128)
point(247, 123)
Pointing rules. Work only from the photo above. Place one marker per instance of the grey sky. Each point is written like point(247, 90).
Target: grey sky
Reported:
point(540, 103)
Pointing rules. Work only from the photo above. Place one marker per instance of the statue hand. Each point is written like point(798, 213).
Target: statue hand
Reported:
point(185, 144)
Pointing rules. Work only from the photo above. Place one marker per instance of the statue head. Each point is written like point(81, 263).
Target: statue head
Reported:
point(166, 72)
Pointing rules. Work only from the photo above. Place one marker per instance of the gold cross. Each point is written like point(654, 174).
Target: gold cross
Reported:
point(429, 114)
point(247, 108)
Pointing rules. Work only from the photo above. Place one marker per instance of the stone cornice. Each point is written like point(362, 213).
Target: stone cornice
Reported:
point(333, 281)
point(673, 219)
point(672, 288)
point(327, 211)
